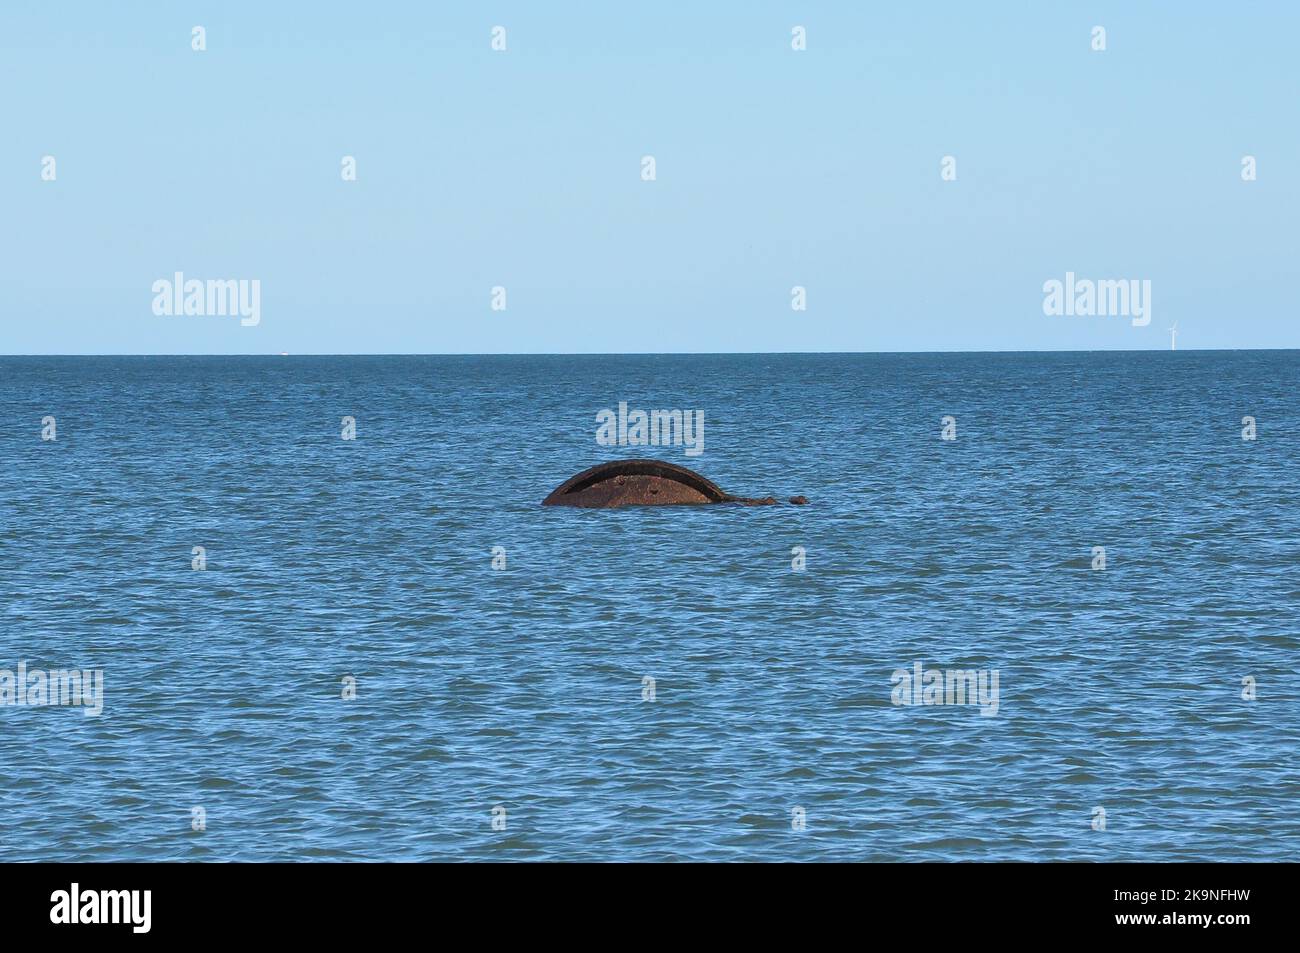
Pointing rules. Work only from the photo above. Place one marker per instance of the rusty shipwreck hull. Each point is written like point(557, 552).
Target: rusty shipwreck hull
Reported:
point(644, 483)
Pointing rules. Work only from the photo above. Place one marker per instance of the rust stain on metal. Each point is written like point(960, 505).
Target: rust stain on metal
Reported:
point(645, 483)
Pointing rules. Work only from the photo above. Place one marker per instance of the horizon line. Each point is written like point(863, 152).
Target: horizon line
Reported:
point(1205, 350)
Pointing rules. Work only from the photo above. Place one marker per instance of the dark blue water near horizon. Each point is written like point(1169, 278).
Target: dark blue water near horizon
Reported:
point(523, 689)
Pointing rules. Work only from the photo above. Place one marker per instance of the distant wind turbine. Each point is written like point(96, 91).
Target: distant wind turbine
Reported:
point(1173, 337)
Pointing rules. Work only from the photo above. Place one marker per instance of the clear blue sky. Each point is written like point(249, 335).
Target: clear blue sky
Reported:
point(775, 168)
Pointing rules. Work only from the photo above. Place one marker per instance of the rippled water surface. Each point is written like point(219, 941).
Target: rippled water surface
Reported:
point(523, 688)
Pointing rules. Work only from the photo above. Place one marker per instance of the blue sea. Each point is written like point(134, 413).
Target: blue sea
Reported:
point(653, 683)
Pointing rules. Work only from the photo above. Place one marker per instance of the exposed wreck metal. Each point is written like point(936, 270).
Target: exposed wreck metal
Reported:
point(645, 483)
